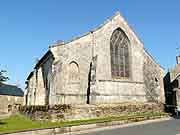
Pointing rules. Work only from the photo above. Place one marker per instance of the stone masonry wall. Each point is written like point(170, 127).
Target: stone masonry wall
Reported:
point(31, 90)
point(118, 92)
point(38, 85)
point(8, 101)
point(77, 112)
point(133, 89)
point(153, 79)
point(63, 90)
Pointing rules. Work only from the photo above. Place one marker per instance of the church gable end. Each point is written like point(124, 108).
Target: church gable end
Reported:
point(107, 65)
point(121, 74)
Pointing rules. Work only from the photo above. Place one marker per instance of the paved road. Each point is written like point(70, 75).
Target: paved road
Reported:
point(169, 127)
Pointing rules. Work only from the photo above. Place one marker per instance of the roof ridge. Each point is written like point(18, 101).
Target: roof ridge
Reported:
point(87, 33)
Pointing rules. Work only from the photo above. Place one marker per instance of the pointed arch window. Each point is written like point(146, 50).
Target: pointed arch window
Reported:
point(119, 49)
point(73, 72)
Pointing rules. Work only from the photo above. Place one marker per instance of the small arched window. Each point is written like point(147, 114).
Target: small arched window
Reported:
point(73, 72)
point(119, 49)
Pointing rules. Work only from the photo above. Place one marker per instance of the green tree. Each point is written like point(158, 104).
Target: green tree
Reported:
point(3, 77)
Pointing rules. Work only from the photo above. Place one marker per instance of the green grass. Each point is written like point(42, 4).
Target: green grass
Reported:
point(19, 122)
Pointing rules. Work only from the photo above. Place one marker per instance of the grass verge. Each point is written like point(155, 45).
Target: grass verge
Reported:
point(19, 122)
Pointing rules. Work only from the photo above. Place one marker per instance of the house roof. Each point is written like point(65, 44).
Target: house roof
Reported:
point(11, 90)
point(87, 33)
point(44, 57)
point(30, 75)
point(99, 27)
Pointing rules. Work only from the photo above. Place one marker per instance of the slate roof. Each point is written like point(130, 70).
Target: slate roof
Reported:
point(30, 75)
point(10, 90)
point(47, 54)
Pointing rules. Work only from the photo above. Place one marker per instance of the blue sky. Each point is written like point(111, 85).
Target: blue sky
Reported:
point(27, 28)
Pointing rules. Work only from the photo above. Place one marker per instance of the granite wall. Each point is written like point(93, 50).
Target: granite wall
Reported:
point(78, 112)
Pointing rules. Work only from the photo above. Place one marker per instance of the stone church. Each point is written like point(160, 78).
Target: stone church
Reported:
point(107, 65)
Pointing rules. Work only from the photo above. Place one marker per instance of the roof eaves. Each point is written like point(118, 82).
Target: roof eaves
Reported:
point(30, 75)
point(48, 53)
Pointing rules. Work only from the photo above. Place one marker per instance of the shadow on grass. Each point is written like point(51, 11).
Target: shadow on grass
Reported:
point(2, 123)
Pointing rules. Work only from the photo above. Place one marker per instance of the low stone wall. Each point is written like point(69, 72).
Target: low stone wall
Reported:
point(77, 112)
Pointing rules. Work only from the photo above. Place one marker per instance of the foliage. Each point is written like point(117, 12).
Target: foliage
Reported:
point(3, 78)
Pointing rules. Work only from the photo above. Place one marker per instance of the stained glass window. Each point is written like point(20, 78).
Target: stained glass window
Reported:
point(119, 46)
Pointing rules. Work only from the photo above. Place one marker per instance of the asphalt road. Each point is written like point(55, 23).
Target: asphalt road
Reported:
point(169, 127)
